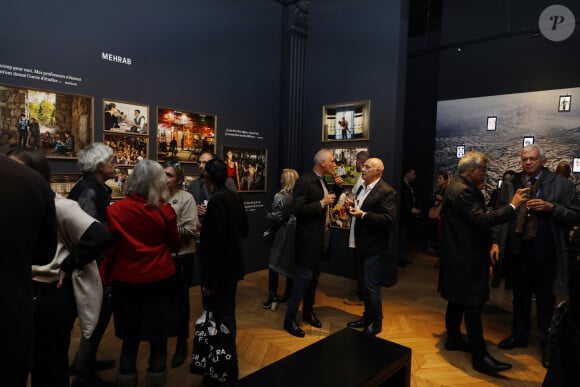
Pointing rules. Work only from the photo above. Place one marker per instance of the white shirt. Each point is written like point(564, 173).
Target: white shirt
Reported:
point(361, 198)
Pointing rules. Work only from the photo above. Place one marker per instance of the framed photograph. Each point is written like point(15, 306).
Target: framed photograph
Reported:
point(125, 117)
point(117, 184)
point(345, 165)
point(576, 165)
point(346, 121)
point(460, 151)
point(60, 124)
point(184, 135)
point(63, 183)
point(491, 123)
point(128, 148)
point(339, 217)
point(564, 104)
point(247, 167)
point(528, 140)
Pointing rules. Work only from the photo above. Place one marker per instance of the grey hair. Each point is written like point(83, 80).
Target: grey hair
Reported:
point(321, 155)
point(471, 159)
point(148, 180)
point(533, 147)
point(92, 155)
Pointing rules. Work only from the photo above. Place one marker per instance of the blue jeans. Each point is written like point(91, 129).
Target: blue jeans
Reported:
point(369, 272)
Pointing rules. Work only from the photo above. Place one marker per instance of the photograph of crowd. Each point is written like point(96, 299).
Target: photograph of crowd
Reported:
point(183, 135)
point(125, 117)
point(246, 167)
point(59, 124)
point(129, 149)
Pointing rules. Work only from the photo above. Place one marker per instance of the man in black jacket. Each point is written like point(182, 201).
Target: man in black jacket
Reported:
point(373, 213)
point(465, 258)
point(312, 202)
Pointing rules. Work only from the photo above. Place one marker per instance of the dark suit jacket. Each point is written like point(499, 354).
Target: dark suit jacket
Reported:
point(406, 204)
point(373, 232)
point(465, 243)
point(310, 219)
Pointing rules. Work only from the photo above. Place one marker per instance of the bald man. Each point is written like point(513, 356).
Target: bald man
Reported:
point(373, 214)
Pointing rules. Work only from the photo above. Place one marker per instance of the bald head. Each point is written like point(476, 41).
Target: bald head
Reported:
point(372, 170)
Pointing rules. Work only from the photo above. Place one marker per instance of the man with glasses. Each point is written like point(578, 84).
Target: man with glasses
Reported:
point(311, 206)
point(536, 244)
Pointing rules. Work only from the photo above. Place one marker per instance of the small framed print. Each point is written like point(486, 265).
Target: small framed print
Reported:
point(576, 165)
point(564, 103)
point(247, 167)
point(63, 183)
point(528, 140)
point(460, 151)
point(491, 122)
point(346, 121)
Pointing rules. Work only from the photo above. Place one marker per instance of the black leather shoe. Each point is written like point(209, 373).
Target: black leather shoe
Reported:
point(456, 344)
point(373, 329)
point(311, 319)
point(358, 323)
point(511, 342)
point(293, 328)
point(488, 365)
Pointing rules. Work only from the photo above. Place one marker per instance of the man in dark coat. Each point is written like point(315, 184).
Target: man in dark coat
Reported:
point(312, 203)
point(373, 213)
point(536, 245)
point(465, 258)
point(29, 237)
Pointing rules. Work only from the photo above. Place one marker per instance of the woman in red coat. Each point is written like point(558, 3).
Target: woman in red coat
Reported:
point(142, 271)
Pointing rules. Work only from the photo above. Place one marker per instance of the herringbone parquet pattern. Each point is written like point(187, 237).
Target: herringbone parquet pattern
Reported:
point(413, 316)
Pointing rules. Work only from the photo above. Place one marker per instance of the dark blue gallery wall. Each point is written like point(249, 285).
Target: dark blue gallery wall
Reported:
point(500, 56)
point(356, 50)
point(217, 57)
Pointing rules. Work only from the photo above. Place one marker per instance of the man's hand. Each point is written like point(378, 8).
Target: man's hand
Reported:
point(521, 196)
point(494, 253)
point(356, 212)
point(539, 205)
point(337, 180)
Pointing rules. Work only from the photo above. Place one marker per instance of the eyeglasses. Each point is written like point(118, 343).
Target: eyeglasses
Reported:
point(534, 159)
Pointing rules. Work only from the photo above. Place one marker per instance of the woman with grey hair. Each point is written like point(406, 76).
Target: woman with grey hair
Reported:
point(142, 273)
point(96, 163)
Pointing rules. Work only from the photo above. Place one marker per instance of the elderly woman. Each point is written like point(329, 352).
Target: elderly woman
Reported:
point(185, 208)
point(142, 272)
point(95, 161)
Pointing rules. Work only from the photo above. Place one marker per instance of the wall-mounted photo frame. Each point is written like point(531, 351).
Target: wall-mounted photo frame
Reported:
point(247, 167)
point(460, 151)
point(345, 159)
point(128, 149)
point(565, 103)
point(339, 217)
point(58, 123)
point(346, 121)
point(63, 183)
point(125, 117)
point(183, 135)
point(117, 183)
point(576, 165)
point(491, 123)
point(528, 140)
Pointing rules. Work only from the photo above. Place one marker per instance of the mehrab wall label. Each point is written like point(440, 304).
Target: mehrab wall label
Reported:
point(115, 58)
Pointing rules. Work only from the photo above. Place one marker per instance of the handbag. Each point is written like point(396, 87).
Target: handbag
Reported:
point(282, 258)
point(212, 353)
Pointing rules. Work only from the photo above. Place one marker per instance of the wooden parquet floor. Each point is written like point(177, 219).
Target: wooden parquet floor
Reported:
point(413, 317)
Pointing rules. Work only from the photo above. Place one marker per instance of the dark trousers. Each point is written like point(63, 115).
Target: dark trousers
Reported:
point(53, 321)
point(87, 351)
point(157, 356)
point(369, 270)
point(532, 276)
point(472, 315)
point(304, 288)
point(223, 305)
point(184, 273)
point(273, 280)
